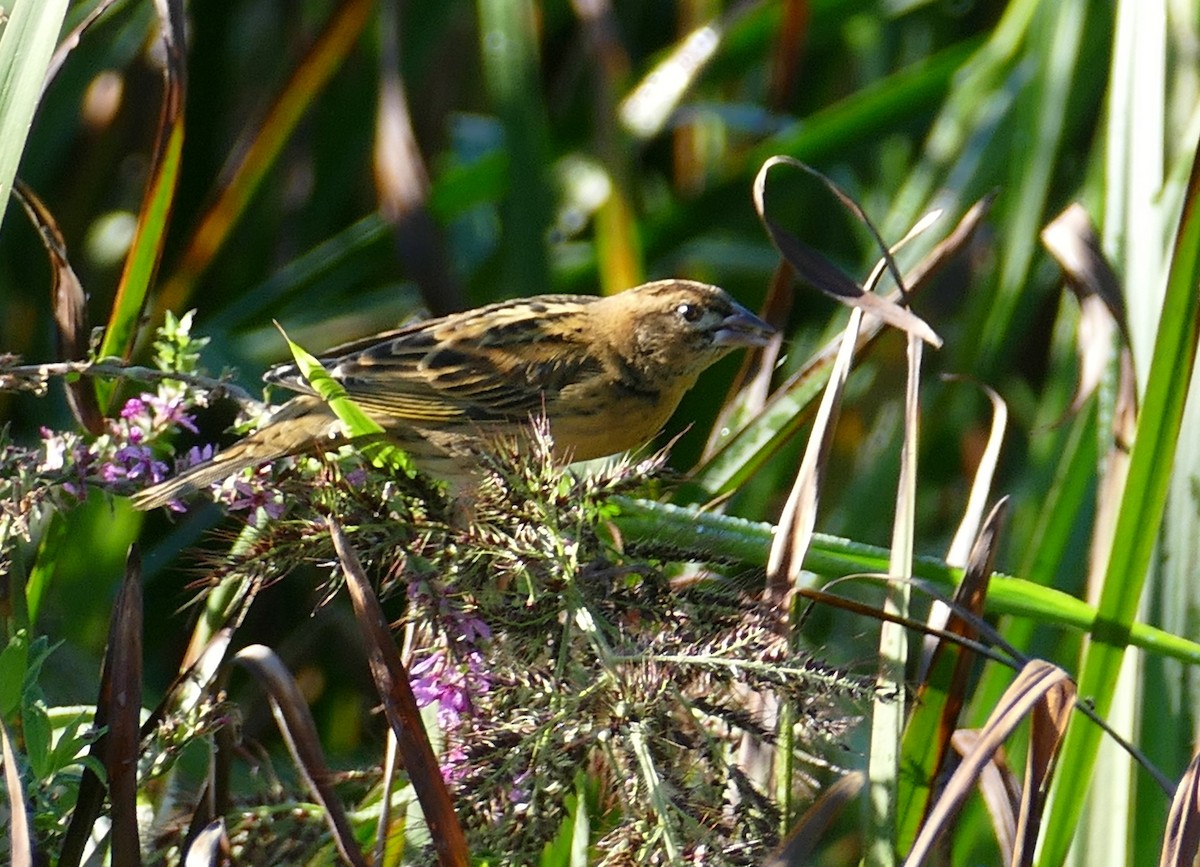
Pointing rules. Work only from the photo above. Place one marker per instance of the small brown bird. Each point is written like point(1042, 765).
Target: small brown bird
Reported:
point(607, 372)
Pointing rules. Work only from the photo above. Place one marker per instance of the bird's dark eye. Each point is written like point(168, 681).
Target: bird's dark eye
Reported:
point(689, 312)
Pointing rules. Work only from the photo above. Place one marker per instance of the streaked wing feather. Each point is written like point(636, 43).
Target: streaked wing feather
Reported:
point(502, 362)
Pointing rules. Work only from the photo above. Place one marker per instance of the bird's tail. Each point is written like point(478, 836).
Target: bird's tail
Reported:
point(295, 427)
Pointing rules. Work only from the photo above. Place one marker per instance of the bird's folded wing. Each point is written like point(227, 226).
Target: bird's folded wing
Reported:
point(501, 366)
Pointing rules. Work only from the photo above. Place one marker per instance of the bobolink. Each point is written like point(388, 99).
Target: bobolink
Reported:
point(607, 372)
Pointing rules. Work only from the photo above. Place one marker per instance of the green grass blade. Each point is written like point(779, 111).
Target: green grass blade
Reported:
point(26, 46)
point(323, 59)
point(689, 534)
point(356, 422)
point(1141, 511)
point(141, 264)
point(1029, 184)
point(510, 70)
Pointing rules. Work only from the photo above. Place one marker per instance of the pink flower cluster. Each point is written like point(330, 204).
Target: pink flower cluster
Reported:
point(449, 676)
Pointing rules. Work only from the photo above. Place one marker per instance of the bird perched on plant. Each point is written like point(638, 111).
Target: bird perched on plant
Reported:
point(607, 372)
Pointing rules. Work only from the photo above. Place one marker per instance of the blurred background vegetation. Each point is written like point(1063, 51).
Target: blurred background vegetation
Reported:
point(347, 165)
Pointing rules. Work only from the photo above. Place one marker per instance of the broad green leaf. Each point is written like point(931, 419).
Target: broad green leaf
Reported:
point(26, 45)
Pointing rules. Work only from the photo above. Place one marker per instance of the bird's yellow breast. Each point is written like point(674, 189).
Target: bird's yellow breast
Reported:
point(597, 419)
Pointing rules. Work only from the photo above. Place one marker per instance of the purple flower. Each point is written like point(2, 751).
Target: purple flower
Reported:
point(250, 495)
point(195, 455)
point(133, 463)
point(171, 412)
point(435, 680)
point(133, 407)
point(521, 792)
point(472, 630)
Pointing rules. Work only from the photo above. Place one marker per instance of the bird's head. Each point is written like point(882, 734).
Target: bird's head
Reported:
point(677, 328)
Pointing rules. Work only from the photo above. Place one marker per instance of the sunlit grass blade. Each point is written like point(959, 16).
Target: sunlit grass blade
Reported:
point(26, 45)
point(142, 260)
point(358, 424)
point(683, 532)
point(889, 711)
point(799, 517)
point(257, 157)
point(645, 111)
point(1150, 467)
point(20, 841)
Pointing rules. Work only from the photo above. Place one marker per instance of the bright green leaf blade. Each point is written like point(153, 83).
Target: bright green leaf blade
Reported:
point(357, 423)
point(141, 264)
point(26, 46)
point(687, 533)
point(1151, 464)
point(14, 660)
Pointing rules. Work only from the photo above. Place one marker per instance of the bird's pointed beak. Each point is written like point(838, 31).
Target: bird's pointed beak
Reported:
point(742, 328)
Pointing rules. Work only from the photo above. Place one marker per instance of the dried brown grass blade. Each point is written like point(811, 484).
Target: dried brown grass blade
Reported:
point(121, 695)
point(968, 527)
point(965, 538)
point(1049, 725)
point(816, 269)
point(752, 384)
point(69, 303)
point(300, 734)
point(190, 686)
point(788, 52)
point(1071, 239)
point(71, 40)
point(383, 828)
point(970, 595)
point(209, 847)
point(1000, 790)
point(799, 514)
point(800, 847)
point(942, 692)
point(799, 518)
point(20, 843)
point(815, 367)
point(1041, 691)
point(118, 710)
point(400, 707)
point(1181, 841)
